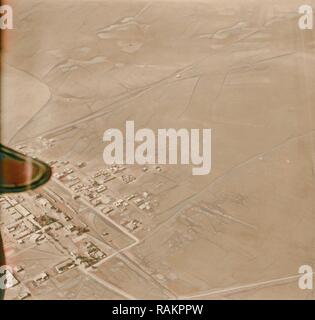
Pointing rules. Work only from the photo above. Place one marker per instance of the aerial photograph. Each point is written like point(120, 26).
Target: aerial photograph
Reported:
point(157, 150)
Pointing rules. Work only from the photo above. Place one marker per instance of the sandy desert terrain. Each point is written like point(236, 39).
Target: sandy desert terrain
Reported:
point(73, 69)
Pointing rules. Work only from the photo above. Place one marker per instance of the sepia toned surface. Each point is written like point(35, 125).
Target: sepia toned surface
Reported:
point(73, 69)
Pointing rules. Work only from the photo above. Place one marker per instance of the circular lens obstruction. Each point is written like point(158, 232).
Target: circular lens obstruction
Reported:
point(20, 173)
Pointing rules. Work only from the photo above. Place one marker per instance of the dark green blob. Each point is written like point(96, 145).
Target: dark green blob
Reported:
point(19, 172)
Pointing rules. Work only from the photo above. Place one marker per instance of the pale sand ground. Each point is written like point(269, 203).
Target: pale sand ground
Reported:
point(242, 68)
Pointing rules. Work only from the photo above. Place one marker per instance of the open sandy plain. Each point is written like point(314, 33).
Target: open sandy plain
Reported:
point(73, 69)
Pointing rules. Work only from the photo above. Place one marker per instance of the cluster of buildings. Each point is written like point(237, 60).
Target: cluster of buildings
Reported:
point(21, 222)
point(96, 190)
point(39, 218)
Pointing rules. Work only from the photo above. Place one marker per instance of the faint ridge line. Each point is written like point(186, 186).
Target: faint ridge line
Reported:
point(242, 288)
